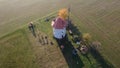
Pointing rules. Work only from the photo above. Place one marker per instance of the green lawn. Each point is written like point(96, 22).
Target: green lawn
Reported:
point(16, 51)
point(20, 49)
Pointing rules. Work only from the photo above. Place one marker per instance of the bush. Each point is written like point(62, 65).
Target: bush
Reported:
point(96, 45)
point(86, 37)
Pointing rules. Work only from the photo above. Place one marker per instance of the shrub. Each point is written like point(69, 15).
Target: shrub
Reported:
point(96, 45)
point(86, 37)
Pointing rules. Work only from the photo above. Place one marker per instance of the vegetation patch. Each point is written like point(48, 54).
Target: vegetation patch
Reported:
point(16, 51)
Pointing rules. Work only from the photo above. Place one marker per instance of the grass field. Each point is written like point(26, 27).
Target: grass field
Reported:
point(18, 48)
point(22, 50)
point(16, 51)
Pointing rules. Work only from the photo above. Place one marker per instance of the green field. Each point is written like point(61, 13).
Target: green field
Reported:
point(19, 49)
point(22, 50)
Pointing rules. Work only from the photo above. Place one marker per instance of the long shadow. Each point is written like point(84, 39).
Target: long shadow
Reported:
point(103, 63)
point(76, 31)
point(74, 28)
point(73, 61)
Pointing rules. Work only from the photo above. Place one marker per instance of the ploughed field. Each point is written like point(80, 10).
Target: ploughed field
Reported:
point(102, 20)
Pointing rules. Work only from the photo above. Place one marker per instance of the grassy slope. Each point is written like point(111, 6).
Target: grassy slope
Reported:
point(47, 55)
point(16, 51)
point(22, 50)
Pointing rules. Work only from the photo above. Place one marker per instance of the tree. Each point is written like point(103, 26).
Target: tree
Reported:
point(86, 38)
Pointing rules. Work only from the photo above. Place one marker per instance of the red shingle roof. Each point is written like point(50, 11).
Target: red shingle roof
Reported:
point(59, 23)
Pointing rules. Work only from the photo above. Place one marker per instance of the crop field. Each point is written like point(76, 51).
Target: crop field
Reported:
point(102, 20)
point(19, 49)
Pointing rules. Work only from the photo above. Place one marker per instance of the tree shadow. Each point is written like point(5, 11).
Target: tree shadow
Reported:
point(99, 58)
point(72, 61)
point(103, 63)
point(73, 28)
point(76, 34)
point(85, 55)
